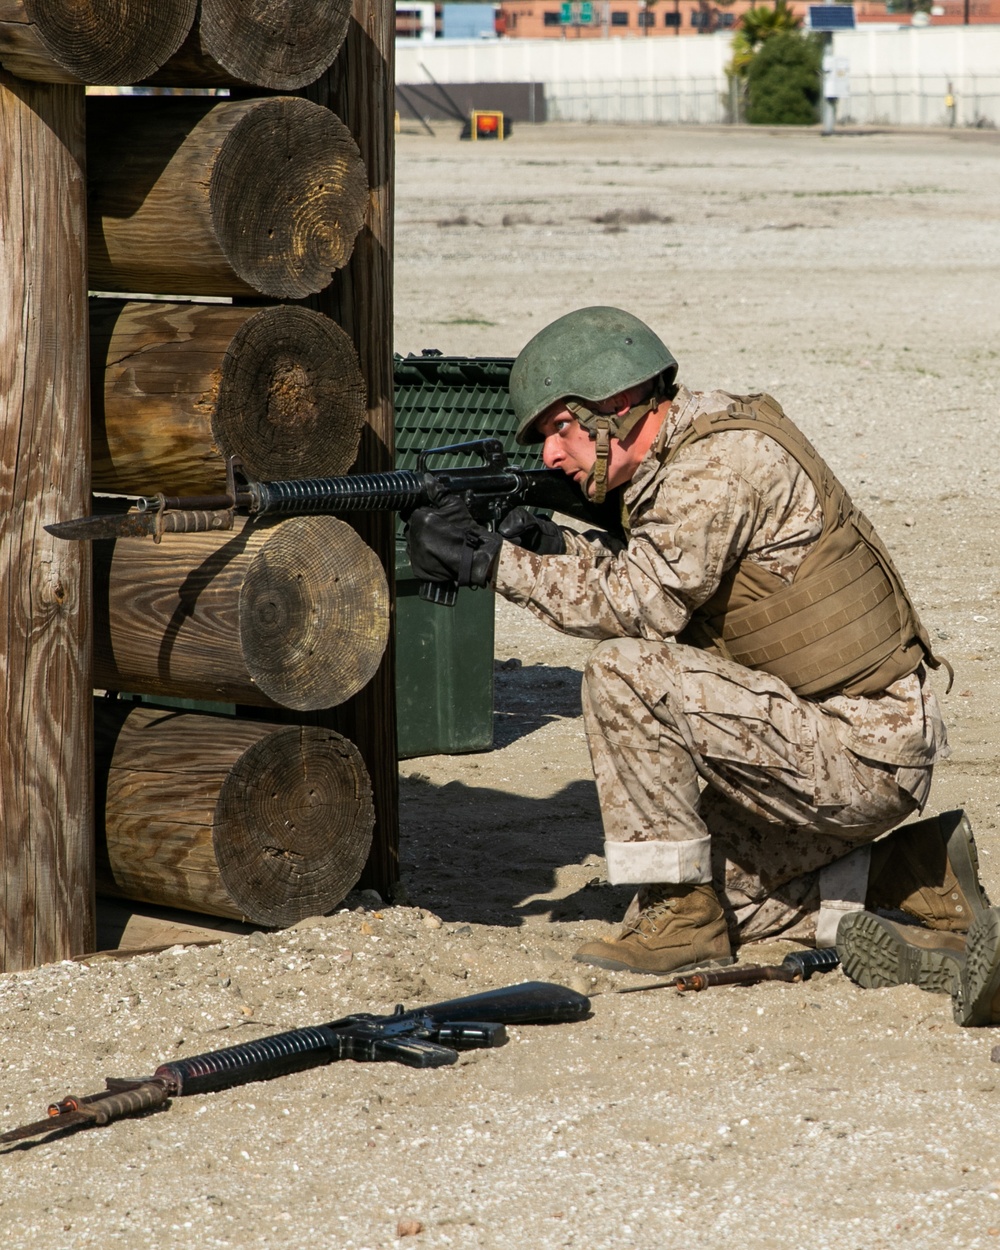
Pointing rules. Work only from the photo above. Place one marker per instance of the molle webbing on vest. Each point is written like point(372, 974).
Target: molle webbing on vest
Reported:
point(845, 623)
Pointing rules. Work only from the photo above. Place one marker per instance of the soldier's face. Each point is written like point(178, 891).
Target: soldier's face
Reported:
point(566, 444)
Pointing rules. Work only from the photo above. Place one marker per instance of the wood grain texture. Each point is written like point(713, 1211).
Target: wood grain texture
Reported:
point(254, 821)
point(46, 835)
point(233, 197)
point(359, 87)
point(280, 46)
point(91, 41)
point(294, 613)
point(177, 387)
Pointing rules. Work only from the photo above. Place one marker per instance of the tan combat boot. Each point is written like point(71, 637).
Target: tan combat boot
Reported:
point(668, 928)
point(976, 999)
point(930, 870)
point(876, 952)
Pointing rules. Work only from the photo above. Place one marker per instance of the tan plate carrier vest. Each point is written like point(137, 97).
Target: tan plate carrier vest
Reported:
point(844, 624)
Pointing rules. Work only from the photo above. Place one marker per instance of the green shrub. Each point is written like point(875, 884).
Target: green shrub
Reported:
point(783, 81)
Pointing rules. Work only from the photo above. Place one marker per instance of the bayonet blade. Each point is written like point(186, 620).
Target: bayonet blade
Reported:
point(51, 1123)
point(101, 528)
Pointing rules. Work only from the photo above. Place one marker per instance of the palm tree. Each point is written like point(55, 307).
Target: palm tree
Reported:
point(756, 25)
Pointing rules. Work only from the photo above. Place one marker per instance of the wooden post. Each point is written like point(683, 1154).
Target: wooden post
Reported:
point(46, 747)
point(359, 87)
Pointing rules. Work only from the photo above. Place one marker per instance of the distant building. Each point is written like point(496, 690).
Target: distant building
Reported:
point(942, 12)
point(616, 19)
point(469, 21)
point(418, 21)
point(637, 19)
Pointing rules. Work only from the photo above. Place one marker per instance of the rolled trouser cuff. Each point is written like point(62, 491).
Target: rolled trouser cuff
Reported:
point(843, 886)
point(670, 863)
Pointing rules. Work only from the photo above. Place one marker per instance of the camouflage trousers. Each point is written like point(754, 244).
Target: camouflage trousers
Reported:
point(710, 772)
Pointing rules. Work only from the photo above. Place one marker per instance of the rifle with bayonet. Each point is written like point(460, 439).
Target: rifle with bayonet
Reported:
point(798, 966)
point(426, 1037)
point(490, 490)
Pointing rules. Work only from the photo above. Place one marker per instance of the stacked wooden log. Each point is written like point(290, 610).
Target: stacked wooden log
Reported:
point(178, 43)
point(220, 204)
point(250, 820)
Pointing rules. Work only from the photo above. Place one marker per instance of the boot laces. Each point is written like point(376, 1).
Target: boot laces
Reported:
point(651, 913)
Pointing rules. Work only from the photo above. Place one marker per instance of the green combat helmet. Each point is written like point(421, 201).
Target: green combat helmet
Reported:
point(583, 358)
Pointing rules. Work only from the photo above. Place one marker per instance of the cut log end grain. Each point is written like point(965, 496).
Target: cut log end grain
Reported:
point(280, 46)
point(231, 197)
point(291, 399)
point(293, 825)
point(294, 613)
point(288, 194)
point(177, 387)
point(312, 639)
point(101, 41)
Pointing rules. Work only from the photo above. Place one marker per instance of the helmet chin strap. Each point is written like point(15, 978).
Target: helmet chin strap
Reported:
point(602, 427)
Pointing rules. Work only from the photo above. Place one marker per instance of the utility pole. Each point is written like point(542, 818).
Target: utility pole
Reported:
point(829, 102)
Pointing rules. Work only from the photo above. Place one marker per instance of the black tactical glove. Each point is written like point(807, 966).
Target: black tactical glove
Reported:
point(535, 533)
point(446, 544)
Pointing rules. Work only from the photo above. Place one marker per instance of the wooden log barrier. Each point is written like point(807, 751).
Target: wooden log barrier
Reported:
point(295, 614)
point(196, 196)
point(259, 822)
point(176, 387)
point(91, 41)
point(281, 46)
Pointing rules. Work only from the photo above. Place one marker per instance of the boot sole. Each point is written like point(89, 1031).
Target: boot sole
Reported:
point(877, 958)
point(964, 859)
point(619, 965)
point(972, 1000)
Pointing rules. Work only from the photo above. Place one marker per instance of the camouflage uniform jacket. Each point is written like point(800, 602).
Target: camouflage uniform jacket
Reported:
point(735, 495)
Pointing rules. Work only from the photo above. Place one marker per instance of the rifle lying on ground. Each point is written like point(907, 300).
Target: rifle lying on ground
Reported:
point(799, 966)
point(490, 491)
point(427, 1037)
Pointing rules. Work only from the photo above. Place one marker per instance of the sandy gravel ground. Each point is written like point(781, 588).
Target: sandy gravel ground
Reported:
point(856, 279)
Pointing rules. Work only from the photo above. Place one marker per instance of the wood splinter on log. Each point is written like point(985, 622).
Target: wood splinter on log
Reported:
point(201, 197)
point(294, 613)
point(91, 41)
point(177, 387)
point(259, 822)
point(280, 46)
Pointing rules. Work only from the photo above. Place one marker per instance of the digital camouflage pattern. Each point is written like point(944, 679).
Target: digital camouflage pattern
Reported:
point(706, 770)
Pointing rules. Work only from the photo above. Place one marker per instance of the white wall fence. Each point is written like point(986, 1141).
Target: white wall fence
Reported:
point(921, 100)
point(680, 101)
point(898, 76)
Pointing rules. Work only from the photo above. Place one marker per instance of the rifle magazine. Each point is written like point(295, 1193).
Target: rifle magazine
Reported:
point(415, 1052)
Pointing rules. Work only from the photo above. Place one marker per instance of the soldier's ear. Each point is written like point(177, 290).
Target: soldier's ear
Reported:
point(621, 403)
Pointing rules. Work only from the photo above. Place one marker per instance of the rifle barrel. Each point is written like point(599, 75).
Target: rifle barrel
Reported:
point(395, 491)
